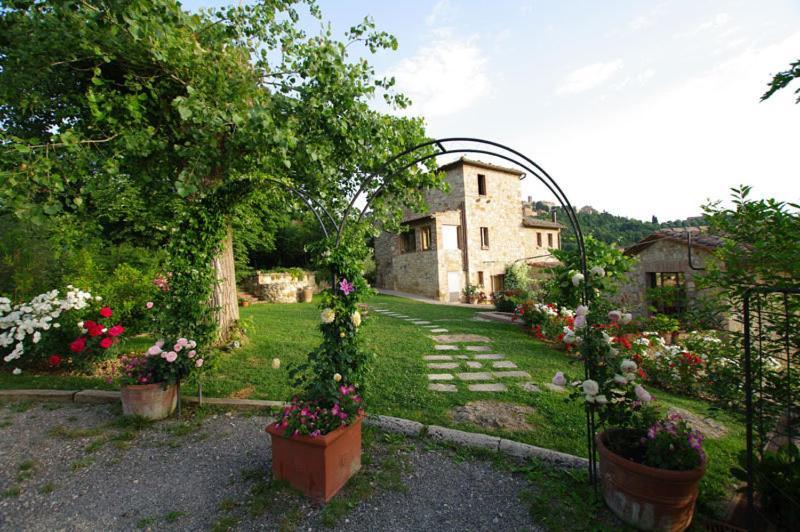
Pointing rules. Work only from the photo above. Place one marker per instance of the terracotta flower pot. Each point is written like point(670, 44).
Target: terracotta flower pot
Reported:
point(319, 467)
point(153, 401)
point(646, 497)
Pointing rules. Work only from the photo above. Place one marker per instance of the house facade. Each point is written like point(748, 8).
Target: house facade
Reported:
point(469, 235)
point(663, 268)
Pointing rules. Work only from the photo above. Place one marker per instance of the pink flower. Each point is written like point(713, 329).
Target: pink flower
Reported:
point(177, 348)
point(116, 330)
point(191, 354)
point(559, 379)
point(106, 312)
point(198, 362)
point(642, 394)
point(154, 350)
point(149, 305)
point(346, 287)
point(344, 390)
point(160, 343)
point(171, 356)
point(182, 342)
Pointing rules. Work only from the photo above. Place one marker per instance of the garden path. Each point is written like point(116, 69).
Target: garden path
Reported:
point(84, 467)
point(469, 361)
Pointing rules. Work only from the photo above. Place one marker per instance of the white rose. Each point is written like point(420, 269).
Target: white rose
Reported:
point(328, 315)
point(601, 399)
point(598, 271)
point(276, 363)
point(337, 377)
point(355, 319)
point(642, 394)
point(17, 371)
point(626, 318)
point(577, 279)
point(590, 387)
point(628, 366)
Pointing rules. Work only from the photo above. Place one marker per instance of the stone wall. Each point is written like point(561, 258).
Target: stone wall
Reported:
point(661, 256)
point(279, 287)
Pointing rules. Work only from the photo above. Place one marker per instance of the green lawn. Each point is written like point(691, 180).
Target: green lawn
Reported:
point(397, 385)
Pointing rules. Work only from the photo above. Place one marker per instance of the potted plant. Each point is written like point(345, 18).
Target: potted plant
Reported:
point(316, 441)
point(150, 381)
point(244, 302)
point(471, 293)
point(650, 467)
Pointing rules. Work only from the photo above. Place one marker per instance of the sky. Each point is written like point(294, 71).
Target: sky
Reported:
point(637, 108)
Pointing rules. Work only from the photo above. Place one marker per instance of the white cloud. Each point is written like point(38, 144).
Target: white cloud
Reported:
point(444, 77)
point(689, 141)
point(589, 77)
point(441, 13)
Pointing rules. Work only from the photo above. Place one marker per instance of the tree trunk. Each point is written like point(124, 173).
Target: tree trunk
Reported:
point(225, 298)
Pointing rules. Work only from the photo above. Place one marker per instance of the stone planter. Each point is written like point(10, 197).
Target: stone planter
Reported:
point(152, 401)
point(308, 294)
point(646, 497)
point(319, 467)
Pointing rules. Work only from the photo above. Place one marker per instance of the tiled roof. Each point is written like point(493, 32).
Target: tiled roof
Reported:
point(481, 164)
point(529, 221)
point(700, 238)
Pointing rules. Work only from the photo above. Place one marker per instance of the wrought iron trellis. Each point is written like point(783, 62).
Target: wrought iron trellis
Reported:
point(770, 407)
point(432, 149)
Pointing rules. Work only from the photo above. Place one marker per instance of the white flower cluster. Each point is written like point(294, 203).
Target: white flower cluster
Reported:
point(28, 320)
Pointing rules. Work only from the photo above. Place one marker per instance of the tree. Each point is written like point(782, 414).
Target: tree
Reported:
point(782, 79)
point(155, 125)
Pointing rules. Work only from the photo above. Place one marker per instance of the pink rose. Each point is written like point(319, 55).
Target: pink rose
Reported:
point(171, 356)
point(177, 348)
point(642, 394)
point(198, 362)
point(149, 305)
point(182, 342)
point(155, 350)
point(191, 353)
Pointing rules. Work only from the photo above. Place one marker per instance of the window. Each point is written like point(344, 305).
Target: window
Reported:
point(481, 185)
point(666, 292)
point(549, 240)
point(539, 239)
point(480, 278)
point(409, 241)
point(484, 237)
point(425, 237)
point(498, 283)
point(450, 237)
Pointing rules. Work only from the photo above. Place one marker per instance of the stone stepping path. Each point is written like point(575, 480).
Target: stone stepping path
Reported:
point(478, 356)
point(491, 387)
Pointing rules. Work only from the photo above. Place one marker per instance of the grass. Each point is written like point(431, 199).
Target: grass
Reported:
point(397, 385)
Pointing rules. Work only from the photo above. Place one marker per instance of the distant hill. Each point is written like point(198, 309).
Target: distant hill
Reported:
point(614, 229)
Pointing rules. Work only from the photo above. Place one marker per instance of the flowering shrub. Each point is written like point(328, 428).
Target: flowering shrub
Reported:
point(314, 418)
point(672, 444)
point(165, 362)
point(34, 328)
point(545, 320)
point(97, 336)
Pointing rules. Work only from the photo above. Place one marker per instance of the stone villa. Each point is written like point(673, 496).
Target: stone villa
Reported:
point(663, 262)
point(469, 235)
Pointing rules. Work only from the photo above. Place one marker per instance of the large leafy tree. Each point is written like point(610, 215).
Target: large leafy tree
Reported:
point(157, 125)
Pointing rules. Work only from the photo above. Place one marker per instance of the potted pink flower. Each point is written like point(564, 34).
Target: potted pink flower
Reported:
point(150, 380)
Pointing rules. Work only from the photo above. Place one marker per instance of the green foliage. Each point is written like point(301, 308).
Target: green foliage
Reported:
point(777, 481)
point(782, 79)
point(518, 277)
point(606, 266)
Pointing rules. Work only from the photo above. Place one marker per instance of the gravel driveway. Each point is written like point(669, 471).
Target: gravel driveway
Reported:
point(77, 467)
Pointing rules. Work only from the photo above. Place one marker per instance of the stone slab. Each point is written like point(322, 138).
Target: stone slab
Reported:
point(233, 403)
point(476, 376)
point(459, 437)
point(523, 450)
point(493, 356)
point(512, 374)
point(462, 357)
point(396, 424)
point(418, 322)
point(477, 347)
point(446, 347)
point(437, 357)
point(504, 364)
point(96, 396)
point(461, 338)
point(555, 388)
point(38, 395)
point(474, 365)
point(439, 387)
point(440, 377)
point(443, 365)
point(487, 387)
point(530, 387)
point(438, 330)
point(431, 326)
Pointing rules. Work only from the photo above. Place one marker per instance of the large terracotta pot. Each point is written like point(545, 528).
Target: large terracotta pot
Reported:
point(319, 467)
point(646, 497)
point(153, 401)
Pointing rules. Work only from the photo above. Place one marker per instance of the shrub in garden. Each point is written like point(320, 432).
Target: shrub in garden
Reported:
point(164, 362)
point(33, 332)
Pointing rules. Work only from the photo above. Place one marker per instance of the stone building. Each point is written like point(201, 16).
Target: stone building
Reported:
point(663, 266)
point(469, 235)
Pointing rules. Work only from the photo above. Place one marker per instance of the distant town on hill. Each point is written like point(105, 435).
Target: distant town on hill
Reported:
point(605, 226)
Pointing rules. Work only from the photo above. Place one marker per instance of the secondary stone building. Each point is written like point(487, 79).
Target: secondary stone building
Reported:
point(469, 235)
point(663, 266)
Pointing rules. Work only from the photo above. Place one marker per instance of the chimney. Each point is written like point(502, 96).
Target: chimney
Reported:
point(530, 199)
point(554, 215)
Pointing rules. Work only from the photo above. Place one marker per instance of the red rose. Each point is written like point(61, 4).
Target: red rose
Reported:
point(116, 330)
point(89, 324)
point(55, 360)
point(106, 312)
point(106, 342)
point(78, 345)
point(97, 330)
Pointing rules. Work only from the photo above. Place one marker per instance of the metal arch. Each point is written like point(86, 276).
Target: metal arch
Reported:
point(532, 168)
